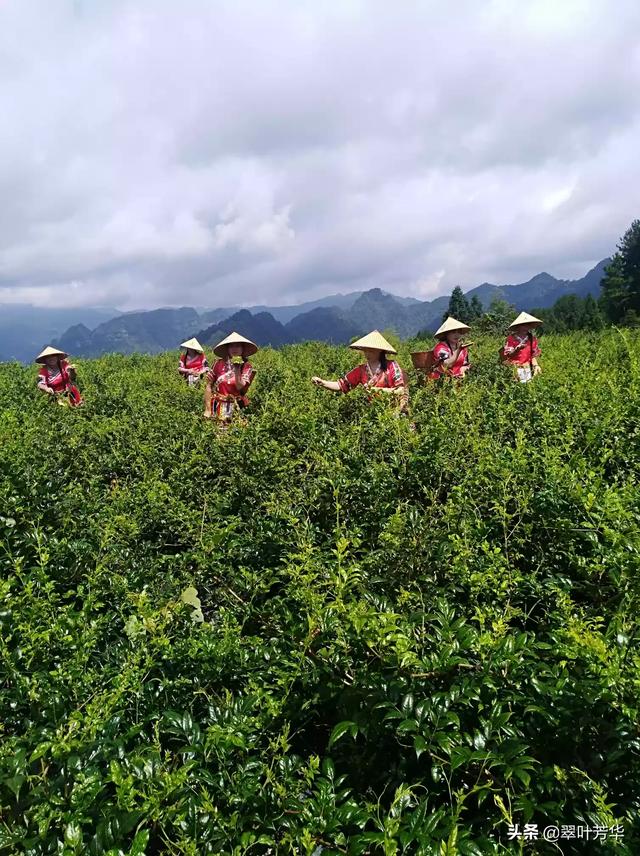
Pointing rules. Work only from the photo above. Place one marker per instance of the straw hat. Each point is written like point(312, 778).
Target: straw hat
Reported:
point(50, 352)
point(449, 325)
point(525, 318)
point(249, 347)
point(374, 340)
point(193, 345)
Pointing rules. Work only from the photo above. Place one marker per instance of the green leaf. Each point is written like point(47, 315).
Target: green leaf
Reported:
point(139, 844)
point(419, 744)
point(342, 728)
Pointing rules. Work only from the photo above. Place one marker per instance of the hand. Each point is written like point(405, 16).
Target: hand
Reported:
point(317, 381)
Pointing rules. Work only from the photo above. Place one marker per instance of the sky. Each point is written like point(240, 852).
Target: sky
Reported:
point(213, 153)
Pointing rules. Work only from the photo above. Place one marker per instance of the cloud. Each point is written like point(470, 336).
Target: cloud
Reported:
point(203, 153)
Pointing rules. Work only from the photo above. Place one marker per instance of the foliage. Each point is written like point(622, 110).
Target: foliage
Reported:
point(460, 308)
point(321, 632)
point(620, 298)
point(497, 318)
point(571, 312)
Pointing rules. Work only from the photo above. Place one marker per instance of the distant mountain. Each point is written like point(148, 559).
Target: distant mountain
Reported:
point(262, 328)
point(284, 314)
point(542, 290)
point(217, 316)
point(324, 324)
point(336, 318)
point(25, 329)
point(148, 332)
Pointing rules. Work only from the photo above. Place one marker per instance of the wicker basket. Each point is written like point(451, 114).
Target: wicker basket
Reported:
point(421, 359)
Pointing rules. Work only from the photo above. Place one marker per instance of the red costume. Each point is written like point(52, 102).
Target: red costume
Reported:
point(188, 365)
point(226, 395)
point(443, 351)
point(392, 377)
point(59, 381)
point(524, 355)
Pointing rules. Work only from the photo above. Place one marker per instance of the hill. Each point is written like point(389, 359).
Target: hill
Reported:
point(324, 324)
point(25, 330)
point(337, 318)
point(150, 332)
point(262, 328)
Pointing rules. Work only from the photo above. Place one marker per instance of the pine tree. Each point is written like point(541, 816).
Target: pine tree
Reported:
point(592, 316)
point(620, 297)
point(476, 307)
point(458, 307)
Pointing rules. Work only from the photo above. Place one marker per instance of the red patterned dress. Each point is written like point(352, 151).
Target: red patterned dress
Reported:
point(59, 380)
point(227, 398)
point(521, 358)
point(391, 377)
point(196, 363)
point(443, 351)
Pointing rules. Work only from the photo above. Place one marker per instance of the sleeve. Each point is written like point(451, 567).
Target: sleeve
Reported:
point(214, 373)
point(441, 352)
point(509, 345)
point(41, 377)
point(535, 349)
point(248, 374)
point(350, 379)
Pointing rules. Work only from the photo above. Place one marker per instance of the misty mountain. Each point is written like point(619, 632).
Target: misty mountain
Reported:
point(262, 328)
point(336, 318)
point(542, 290)
point(284, 314)
point(147, 332)
point(25, 329)
point(324, 324)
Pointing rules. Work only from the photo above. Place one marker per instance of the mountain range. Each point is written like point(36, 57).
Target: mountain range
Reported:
point(336, 318)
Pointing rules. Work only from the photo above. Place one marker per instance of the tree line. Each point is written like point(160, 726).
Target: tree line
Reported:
point(618, 302)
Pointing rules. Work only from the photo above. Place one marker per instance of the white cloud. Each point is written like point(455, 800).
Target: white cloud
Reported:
point(160, 153)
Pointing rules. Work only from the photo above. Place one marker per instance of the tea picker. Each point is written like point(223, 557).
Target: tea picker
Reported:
point(450, 357)
point(193, 362)
point(521, 349)
point(56, 377)
point(225, 394)
point(377, 373)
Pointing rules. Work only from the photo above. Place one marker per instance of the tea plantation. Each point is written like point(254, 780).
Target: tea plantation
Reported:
point(399, 641)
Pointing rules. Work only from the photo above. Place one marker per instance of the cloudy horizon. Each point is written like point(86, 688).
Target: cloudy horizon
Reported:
point(218, 153)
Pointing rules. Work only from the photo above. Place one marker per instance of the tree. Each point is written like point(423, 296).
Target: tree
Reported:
point(458, 307)
point(498, 317)
point(476, 307)
point(620, 296)
point(569, 312)
point(591, 315)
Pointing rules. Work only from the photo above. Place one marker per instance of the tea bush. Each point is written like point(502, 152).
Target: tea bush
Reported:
point(400, 642)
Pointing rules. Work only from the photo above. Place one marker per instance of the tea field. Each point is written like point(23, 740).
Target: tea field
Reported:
point(322, 632)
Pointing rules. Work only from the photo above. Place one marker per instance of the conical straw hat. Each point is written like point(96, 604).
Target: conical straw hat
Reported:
point(50, 352)
point(374, 340)
point(235, 338)
point(525, 318)
point(193, 344)
point(449, 325)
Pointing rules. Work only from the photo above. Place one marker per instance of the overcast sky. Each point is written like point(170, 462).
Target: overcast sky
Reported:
point(201, 152)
